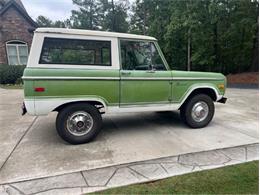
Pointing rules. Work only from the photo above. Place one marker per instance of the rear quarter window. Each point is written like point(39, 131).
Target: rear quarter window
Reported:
point(75, 52)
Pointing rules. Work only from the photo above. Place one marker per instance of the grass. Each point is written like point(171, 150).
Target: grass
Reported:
point(11, 86)
point(236, 179)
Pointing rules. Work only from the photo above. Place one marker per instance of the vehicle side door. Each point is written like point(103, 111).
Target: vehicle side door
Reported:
point(144, 78)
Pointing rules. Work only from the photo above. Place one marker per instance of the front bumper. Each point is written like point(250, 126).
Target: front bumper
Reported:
point(222, 100)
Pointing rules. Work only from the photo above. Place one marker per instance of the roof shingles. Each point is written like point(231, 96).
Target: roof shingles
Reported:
point(19, 2)
point(6, 4)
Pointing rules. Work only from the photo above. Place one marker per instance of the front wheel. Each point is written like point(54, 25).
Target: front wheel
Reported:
point(78, 123)
point(198, 111)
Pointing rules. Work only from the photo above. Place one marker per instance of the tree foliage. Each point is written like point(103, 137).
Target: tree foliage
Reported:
point(115, 17)
point(88, 15)
point(203, 35)
point(43, 21)
point(106, 15)
point(222, 34)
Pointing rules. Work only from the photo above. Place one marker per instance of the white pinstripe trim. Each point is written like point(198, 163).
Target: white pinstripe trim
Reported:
point(69, 78)
point(117, 78)
point(146, 78)
point(169, 78)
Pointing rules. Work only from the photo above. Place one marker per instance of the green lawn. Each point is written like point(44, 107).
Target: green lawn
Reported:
point(11, 86)
point(237, 179)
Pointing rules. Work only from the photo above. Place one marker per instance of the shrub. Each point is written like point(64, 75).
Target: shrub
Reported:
point(11, 74)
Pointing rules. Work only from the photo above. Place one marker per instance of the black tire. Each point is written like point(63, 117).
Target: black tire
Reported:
point(65, 113)
point(186, 111)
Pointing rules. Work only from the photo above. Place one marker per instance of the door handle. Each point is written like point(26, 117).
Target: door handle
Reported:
point(126, 73)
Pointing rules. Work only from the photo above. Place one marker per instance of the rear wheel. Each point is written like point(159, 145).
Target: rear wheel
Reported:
point(198, 111)
point(79, 123)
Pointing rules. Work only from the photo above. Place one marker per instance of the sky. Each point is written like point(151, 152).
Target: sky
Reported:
point(53, 9)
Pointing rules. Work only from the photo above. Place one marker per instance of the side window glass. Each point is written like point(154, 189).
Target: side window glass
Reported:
point(105, 56)
point(138, 55)
point(76, 52)
point(157, 61)
point(135, 55)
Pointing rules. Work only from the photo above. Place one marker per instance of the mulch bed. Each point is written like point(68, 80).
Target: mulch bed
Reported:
point(251, 78)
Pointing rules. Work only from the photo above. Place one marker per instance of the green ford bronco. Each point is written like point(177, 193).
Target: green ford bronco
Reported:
point(82, 74)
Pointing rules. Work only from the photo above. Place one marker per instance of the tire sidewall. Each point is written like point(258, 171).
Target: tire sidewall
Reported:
point(188, 108)
point(61, 123)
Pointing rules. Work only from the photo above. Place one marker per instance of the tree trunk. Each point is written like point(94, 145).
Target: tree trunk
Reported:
point(189, 4)
point(189, 50)
point(144, 27)
point(216, 50)
point(255, 51)
point(91, 17)
point(113, 18)
point(241, 61)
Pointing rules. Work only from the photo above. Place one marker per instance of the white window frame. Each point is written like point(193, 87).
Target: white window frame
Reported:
point(17, 45)
point(37, 43)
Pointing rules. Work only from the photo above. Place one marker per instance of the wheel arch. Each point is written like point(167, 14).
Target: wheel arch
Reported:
point(211, 91)
point(47, 105)
point(97, 103)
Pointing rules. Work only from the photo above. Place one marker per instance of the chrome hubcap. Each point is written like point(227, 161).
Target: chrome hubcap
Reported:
point(79, 123)
point(200, 111)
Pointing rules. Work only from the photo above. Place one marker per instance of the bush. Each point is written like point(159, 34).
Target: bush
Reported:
point(11, 74)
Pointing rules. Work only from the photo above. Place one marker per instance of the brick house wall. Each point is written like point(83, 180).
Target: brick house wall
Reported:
point(14, 26)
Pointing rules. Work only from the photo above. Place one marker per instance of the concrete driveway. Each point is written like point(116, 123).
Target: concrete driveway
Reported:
point(30, 147)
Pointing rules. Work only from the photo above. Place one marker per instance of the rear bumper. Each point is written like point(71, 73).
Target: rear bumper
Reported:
point(222, 100)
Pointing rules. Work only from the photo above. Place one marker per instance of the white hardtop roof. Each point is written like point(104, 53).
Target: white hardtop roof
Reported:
point(93, 33)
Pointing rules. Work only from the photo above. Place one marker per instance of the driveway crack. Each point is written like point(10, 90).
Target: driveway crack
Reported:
point(17, 189)
point(84, 178)
point(16, 145)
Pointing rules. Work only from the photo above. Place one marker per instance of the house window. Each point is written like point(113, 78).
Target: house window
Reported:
point(17, 52)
